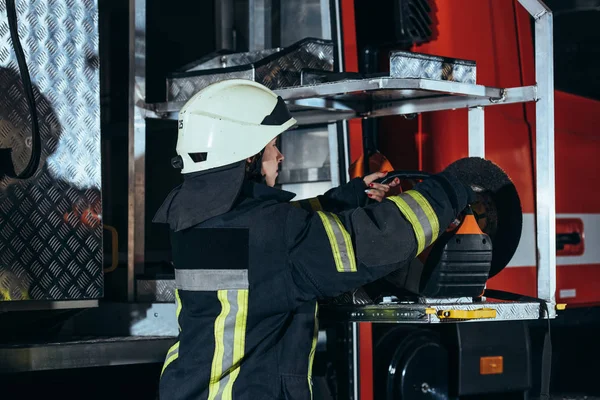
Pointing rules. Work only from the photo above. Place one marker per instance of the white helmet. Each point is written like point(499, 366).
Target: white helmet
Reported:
point(228, 122)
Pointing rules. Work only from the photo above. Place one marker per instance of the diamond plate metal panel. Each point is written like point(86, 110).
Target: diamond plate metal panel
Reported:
point(417, 313)
point(182, 89)
point(414, 65)
point(284, 69)
point(156, 290)
point(504, 311)
point(277, 70)
point(50, 225)
point(230, 60)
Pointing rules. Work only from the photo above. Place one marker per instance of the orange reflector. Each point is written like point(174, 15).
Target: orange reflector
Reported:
point(491, 365)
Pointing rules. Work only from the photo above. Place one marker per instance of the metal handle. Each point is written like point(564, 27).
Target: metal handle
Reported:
point(115, 249)
point(567, 238)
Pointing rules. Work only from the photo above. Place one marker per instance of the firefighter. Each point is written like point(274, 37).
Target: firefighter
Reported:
point(250, 266)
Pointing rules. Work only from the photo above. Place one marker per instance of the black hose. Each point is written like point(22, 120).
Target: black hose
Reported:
point(403, 175)
point(36, 146)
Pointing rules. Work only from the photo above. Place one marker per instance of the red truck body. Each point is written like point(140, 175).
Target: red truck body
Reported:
point(498, 36)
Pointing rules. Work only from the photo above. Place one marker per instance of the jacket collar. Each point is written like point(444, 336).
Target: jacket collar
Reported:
point(262, 192)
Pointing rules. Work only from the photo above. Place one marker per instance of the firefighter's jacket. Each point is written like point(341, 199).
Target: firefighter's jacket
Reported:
point(248, 281)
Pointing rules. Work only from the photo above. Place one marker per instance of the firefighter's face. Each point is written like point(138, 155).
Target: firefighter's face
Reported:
point(270, 163)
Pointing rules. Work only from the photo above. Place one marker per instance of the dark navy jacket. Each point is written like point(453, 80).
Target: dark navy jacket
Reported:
point(249, 281)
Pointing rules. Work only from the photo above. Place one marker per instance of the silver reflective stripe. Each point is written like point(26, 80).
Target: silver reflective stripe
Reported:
point(418, 210)
point(346, 260)
point(211, 279)
point(174, 352)
point(340, 242)
point(230, 339)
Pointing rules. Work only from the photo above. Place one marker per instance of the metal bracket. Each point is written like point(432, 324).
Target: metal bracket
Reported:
point(535, 8)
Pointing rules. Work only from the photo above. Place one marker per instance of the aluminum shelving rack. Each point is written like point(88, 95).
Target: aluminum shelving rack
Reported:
point(368, 98)
point(322, 103)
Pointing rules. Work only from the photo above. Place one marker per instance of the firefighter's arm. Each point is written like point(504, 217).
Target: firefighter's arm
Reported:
point(332, 253)
point(348, 196)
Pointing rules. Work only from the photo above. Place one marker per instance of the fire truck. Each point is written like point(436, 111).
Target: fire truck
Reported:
point(86, 118)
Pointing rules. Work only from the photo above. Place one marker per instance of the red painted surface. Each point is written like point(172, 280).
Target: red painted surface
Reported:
point(497, 35)
point(365, 354)
point(583, 278)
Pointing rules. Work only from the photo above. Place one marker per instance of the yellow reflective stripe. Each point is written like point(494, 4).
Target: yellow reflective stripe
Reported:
point(173, 352)
point(313, 349)
point(347, 241)
point(178, 301)
point(172, 355)
point(429, 213)
point(340, 242)
point(315, 204)
point(217, 363)
point(333, 242)
point(412, 219)
point(239, 341)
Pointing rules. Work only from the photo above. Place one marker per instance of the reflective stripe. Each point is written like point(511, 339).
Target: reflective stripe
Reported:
point(340, 241)
point(172, 355)
point(313, 348)
point(310, 205)
point(178, 302)
point(420, 215)
point(315, 204)
point(211, 279)
point(239, 341)
point(217, 363)
point(230, 331)
point(429, 213)
point(173, 352)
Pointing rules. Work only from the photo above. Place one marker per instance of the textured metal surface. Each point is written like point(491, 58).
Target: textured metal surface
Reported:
point(416, 313)
point(156, 290)
point(285, 70)
point(356, 297)
point(182, 89)
point(427, 300)
point(338, 101)
point(414, 65)
point(98, 352)
point(50, 225)
point(279, 70)
point(230, 60)
point(505, 311)
point(397, 89)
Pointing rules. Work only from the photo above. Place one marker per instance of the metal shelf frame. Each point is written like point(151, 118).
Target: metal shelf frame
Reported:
point(367, 98)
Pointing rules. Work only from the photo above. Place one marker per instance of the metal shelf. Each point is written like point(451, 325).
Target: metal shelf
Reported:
point(376, 97)
point(367, 98)
point(95, 352)
point(428, 313)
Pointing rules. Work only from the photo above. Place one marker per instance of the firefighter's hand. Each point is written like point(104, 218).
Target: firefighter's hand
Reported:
point(377, 191)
